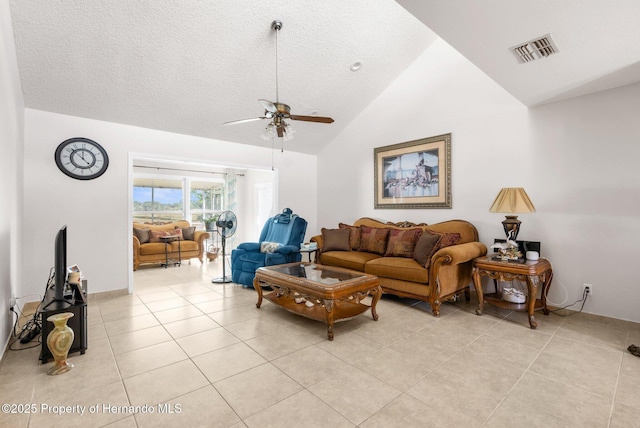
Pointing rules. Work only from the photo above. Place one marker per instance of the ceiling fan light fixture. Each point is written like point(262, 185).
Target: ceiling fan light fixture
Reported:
point(277, 112)
point(270, 132)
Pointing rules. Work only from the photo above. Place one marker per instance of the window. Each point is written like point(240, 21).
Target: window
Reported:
point(207, 198)
point(157, 200)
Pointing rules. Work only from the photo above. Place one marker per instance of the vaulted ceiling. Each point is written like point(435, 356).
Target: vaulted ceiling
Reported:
point(189, 66)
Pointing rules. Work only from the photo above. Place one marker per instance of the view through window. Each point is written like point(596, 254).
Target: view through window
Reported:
point(162, 200)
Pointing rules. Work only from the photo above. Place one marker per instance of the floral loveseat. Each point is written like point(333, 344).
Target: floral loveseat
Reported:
point(147, 247)
point(425, 262)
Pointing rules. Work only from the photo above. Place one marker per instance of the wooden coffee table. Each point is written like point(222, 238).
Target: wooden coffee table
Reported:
point(336, 293)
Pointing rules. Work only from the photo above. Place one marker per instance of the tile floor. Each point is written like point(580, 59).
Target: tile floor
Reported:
point(204, 351)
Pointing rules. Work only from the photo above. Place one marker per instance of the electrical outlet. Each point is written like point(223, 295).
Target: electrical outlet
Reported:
point(588, 288)
point(12, 303)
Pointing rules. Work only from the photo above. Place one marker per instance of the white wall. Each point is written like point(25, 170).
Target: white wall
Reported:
point(11, 142)
point(576, 159)
point(252, 180)
point(96, 211)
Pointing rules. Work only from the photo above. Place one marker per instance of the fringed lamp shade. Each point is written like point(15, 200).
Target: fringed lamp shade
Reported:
point(512, 200)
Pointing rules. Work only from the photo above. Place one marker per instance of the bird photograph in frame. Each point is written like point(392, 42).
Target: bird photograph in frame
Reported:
point(414, 174)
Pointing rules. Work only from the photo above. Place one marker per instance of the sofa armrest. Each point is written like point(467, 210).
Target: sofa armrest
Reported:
point(199, 236)
point(318, 240)
point(136, 245)
point(451, 268)
point(287, 249)
point(250, 246)
point(460, 253)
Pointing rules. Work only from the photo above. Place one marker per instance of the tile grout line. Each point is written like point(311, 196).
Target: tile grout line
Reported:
point(524, 373)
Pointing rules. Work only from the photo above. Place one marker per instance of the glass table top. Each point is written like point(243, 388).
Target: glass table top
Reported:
point(317, 273)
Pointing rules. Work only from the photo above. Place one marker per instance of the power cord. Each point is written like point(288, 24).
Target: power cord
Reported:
point(585, 293)
point(32, 328)
point(583, 300)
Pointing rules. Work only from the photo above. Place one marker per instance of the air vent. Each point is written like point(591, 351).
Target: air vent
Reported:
point(535, 49)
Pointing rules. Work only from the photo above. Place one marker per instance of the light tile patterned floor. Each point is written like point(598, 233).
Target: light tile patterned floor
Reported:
point(205, 352)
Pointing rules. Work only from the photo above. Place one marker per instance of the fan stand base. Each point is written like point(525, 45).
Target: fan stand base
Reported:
point(222, 280)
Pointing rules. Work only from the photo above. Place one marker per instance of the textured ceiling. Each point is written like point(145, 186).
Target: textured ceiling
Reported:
point(189, 66)
point(598, 42)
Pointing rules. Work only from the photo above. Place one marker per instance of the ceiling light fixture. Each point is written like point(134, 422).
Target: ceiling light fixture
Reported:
point(277, 112)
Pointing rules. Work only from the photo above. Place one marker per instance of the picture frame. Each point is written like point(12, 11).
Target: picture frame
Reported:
point(413, 174)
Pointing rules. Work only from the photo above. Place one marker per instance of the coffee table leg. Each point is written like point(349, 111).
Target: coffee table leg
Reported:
point(256, 285)
point(328, 308)
point(374, 302)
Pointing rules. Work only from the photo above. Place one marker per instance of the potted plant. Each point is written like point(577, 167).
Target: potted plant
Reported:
point(210, 221)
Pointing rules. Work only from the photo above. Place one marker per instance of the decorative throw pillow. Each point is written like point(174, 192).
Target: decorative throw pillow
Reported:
point(269, 247)
point(402, 242)
point(142, 235)
point(154, 235)
point(373, 239)
point(426, 247)
point(354, 237)
point(449, 239)
point(187, 232)
point(335, 240)
point(176, 233)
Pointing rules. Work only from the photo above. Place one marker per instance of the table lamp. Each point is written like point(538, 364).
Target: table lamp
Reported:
point(512, 200)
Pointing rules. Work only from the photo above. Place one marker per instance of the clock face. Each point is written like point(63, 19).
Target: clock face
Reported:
point(81, 158)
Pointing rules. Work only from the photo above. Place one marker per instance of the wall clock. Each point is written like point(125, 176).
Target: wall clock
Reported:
point(81, 158)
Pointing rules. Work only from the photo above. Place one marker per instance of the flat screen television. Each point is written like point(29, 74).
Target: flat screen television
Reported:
point(60, 272)
point(60, 266)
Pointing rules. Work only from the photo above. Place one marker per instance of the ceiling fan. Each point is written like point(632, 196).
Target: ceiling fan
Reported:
point(276, 111)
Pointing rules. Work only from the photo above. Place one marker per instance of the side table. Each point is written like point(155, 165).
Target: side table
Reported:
point(167, 240)
point(534, 272)
point(314, 251)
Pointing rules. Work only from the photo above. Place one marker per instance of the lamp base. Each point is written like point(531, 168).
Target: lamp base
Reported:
point(511, 226)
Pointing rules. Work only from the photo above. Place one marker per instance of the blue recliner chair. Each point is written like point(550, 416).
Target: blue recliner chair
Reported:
point(279, 243)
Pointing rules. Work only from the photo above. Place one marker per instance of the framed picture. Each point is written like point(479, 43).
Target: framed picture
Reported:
point(415, 174)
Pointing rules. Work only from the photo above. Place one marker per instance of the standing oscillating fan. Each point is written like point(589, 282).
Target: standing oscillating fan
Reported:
point(226, 226)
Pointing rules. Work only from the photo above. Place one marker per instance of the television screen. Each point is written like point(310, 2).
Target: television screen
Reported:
point(60, 263)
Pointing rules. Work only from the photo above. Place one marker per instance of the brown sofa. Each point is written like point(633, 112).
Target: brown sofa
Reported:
point(449, 268)
point(146, 251)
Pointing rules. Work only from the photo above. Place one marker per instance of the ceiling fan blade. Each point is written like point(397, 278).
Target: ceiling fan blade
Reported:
point(268, 105)
point(319, 119)
point(235, 122)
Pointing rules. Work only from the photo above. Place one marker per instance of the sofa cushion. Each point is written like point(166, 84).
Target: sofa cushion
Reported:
point(354, 235)
point(401, 268)
point(152, 248)
point(185, 246)
point(426, 247)
point(335, 240)
point(373, 239)
point(187, 232)
point(402, 242)
point(354, 260)
point(142, 235)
